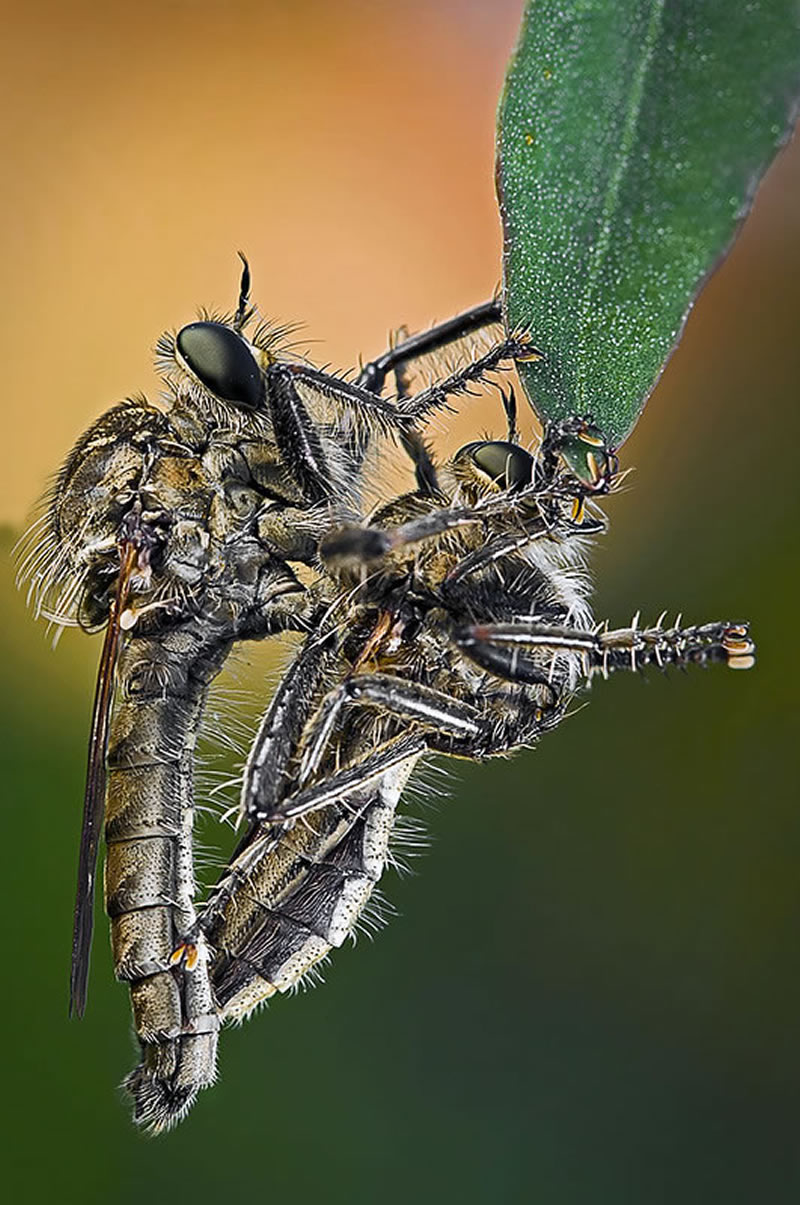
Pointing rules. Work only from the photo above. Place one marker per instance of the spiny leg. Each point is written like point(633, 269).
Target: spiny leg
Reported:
point(424, 468)
point(298, 439)
point(412, 441)
point(488, 731)
point(510, 664)
point(403, 700)
point(354, 777)
point(370, 543)
point(503, 546)
point(268, 763)
point(386, 416)
point(604, 650)
point(373, 375)
point(414, 445)
point(522, 722)
point(267, 772)
point(501, 649)
point(437, 396)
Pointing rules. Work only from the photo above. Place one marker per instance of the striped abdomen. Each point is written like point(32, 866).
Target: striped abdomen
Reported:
point(149, 882)
point(293, 895)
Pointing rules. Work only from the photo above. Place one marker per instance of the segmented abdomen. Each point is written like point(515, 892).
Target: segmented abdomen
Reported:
point(149, 882)
point(293, 895)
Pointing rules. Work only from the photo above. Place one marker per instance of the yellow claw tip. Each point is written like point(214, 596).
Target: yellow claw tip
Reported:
point(177, 955)
point(186, 953)
point(738, 646)
point(594, 440)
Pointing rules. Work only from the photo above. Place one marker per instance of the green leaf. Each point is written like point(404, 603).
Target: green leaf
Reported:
point(632, 135)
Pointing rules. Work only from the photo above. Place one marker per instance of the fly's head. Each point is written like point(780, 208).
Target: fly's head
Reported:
point(577, 450)
point(198, 488)
point(546, 485)
point(215, 374)
point(487, 468)
point(234, 377)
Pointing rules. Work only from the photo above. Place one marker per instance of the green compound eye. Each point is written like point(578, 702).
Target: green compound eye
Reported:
point(222, 361)
point(583, 448)
point(509, 466)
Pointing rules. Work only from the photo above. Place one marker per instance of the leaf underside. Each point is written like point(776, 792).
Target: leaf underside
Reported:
point(632, 135)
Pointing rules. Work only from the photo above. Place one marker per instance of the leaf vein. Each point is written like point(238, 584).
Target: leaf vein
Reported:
point(611, 199)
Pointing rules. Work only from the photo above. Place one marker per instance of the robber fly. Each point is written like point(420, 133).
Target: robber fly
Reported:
point(458, 622)
point(175, 527)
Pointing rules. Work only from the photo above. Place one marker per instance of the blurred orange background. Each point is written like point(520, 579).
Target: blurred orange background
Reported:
point(346, 148)
point(592, 993)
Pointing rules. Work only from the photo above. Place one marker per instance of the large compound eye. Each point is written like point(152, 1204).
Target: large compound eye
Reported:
point(508, 466)
point(223, 362)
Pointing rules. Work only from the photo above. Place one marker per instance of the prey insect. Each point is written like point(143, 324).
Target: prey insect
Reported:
point(176, 526)
point(457, 623)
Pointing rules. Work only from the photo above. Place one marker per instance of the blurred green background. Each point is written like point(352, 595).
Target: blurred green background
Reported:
point(592, 991)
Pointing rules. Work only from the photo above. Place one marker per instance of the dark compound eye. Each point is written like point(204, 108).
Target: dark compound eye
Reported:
point(508, 466)
point(223, 362)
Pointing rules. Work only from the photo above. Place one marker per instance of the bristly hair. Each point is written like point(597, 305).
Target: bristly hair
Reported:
point(311, 978)
point(443, 362)
point(409, 839)
point(374, 916)
point(267, 335)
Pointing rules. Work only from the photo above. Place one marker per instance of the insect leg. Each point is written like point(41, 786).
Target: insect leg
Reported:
point(424, 468)
point(267, 769)
point(413, 443)
point(494, 551)
point(380, 415)
point(294, 391)
point(299, 888)
point(603, 650)
point(479, 732)
point(633, 648)
point(370, 543)
point(403, 700)
point(359, 773)
point(508, 663)
point(373, 375)
point(297, 437)
point(290, 389)
point(436, 397)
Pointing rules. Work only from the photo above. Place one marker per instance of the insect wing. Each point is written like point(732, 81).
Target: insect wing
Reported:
point(94, 794)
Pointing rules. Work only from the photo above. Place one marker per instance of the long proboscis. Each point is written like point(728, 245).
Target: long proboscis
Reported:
point(95, 792)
